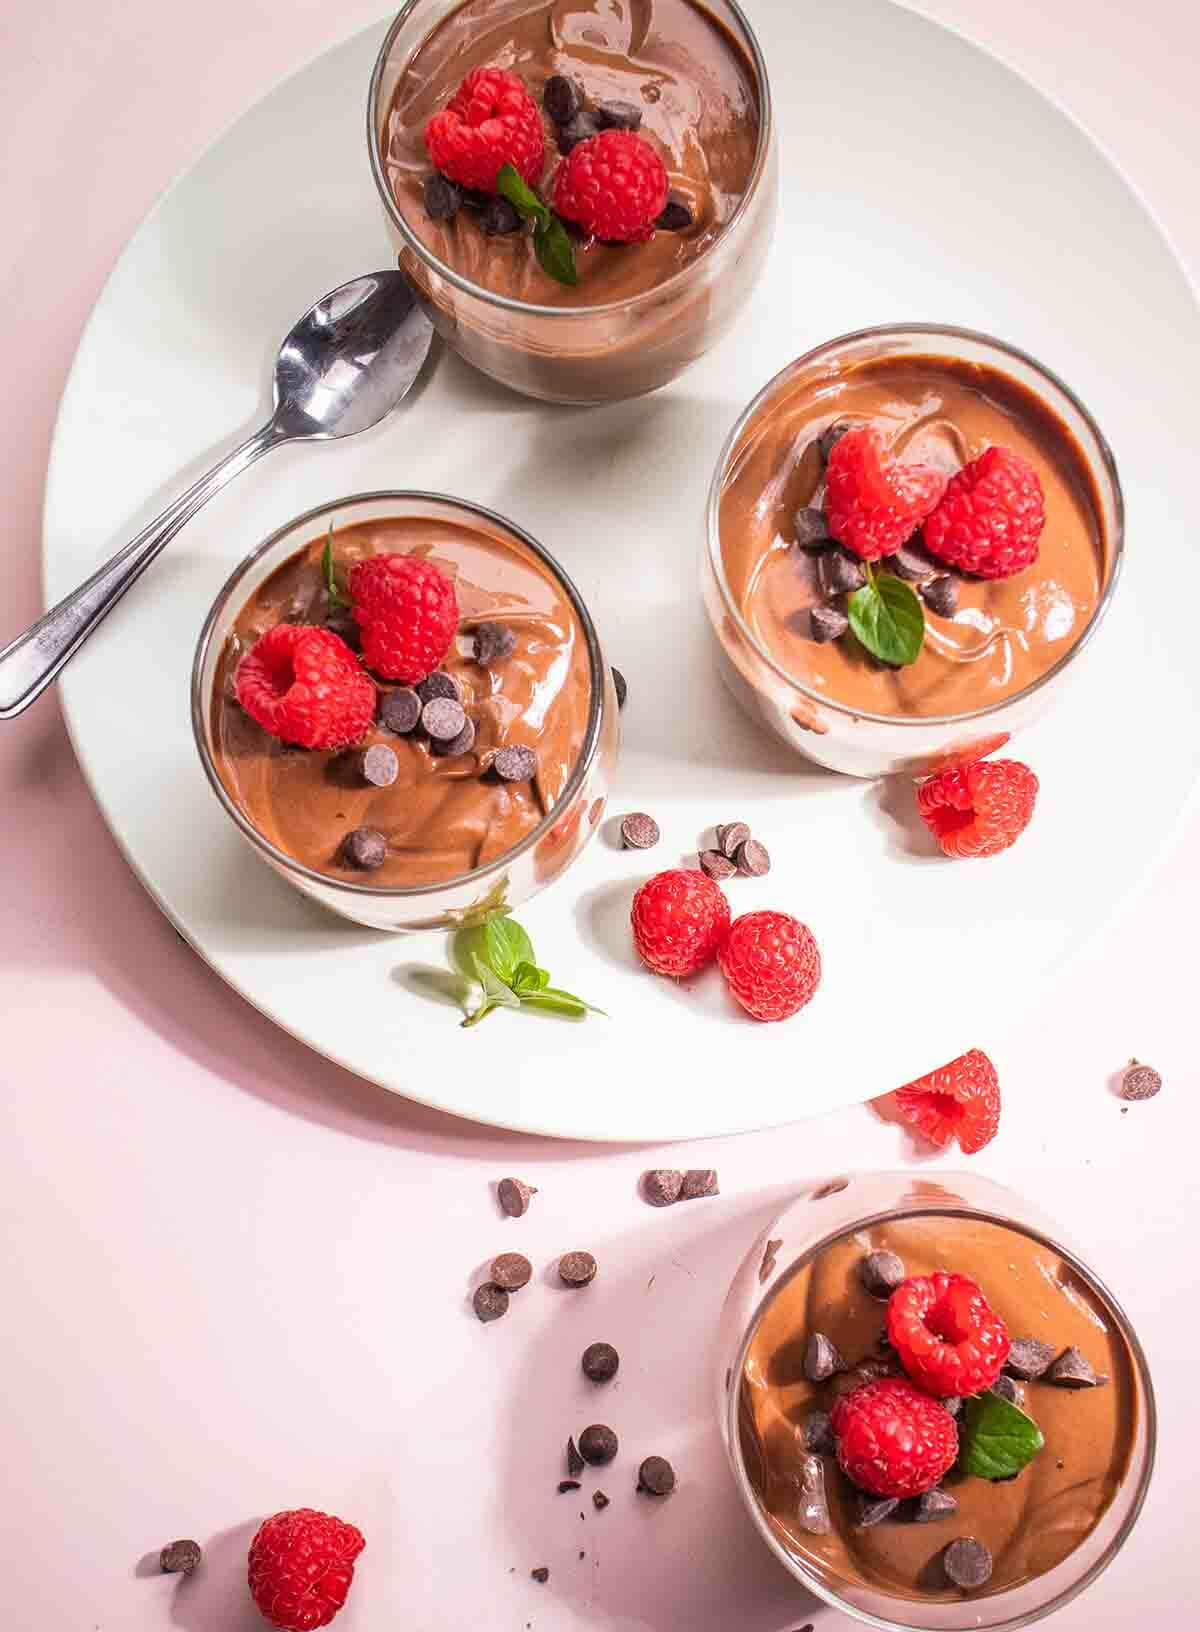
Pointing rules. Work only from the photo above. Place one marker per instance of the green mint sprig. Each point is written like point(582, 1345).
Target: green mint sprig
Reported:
point(498, 955)
point(336, 598)
point(888, 618)
point(997, 1438)
point(551, 242)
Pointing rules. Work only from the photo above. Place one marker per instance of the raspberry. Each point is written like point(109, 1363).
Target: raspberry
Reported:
point(949, 1338)
point(958, 1101)
point(980, 809)
point(301, 1566)
point(873, 502)
point(991, 517)
point(613, 185)
point(305, 686)
point(772, 964)
point(679, 919)
point(408, 614)
point(892, 1440)
point(490, 121)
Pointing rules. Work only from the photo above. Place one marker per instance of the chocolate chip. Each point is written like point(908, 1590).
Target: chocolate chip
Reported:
point(730, 837)
point(499, 219)
point(661, 1186)
point(716, 866)
point(379, 766)
point(676, 216)
point(599, 1500)
point(831, 436)
point(881, 1273)
point(399, 710)
point(866, 1371)
point(821, 1359)
point(967, 1563)
point(1072, 1370)
point(576, 130)
point(656, 1476)
point(179, 1557)
point(490, 1302)
point(564, 1485)
point(953, 1404)
point(493, 642)
point(1028, 1358)
point(474, 200)
point(439, 684)
point(575, 1463)
point(513, 1196)
point(810, 528)
point(600, 1362)
point(541, 1575)
point(561, 98)
point(816, 1433)
point(639, 831)
point(840, 572)
point(826, 623)
point(443, 718)
point(621, 687)
point(941, 595)
point(576, 1268)
point(912, 564)
point(345, 626)
point(512, 1271)
point(813, 1508)
point(598, 1444)
point(618, 115)
point(442, 198)
point(461, 744)
point(872, 1510)
point(1140, 1081)
point(364, 848)
point(753, 860)
point(1008, 1389)
point(933, 1505)
point(515, 763)
point(699, 1182)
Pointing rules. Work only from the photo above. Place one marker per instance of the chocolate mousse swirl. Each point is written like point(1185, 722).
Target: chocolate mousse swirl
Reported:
point(669, 58)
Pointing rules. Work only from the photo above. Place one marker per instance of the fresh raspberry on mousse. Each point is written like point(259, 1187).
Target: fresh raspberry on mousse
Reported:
point(990, 520)
point(614, 186)
point(892, 1439)
point(490, 121)
point(407, 611)
point(948, 1337)
point(305, 686)
point(300, 1568)
point(679, 919)
point(875, 502)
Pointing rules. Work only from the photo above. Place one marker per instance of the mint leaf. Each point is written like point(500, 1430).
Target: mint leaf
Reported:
point(888, 618)
point(336, 598)
point(997, 1439)
point(554, 999)
point(498, 956)
point(551, 243)
point(496, 995)
point(505, 945)
point(527, 977)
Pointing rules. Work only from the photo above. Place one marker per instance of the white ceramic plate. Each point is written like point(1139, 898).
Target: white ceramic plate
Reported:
point(923, 181)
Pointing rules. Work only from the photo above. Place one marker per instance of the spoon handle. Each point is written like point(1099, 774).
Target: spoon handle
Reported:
point(29, 663)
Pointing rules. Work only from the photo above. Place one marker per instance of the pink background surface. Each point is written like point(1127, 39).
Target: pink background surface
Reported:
point(234, 1278)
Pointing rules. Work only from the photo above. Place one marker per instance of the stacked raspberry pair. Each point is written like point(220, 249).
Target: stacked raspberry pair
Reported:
point(682, 922)
point(305, 684)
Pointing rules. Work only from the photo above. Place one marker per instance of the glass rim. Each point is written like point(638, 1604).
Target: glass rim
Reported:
point(932, 331)
point(200, 701)
point(809, 1578)
point(507, 302)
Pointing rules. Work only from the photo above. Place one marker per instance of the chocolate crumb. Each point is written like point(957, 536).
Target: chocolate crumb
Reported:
point(499, 218)
point(731, 837)
point(767, 1268)
point(515, 763)
point(873, 1510)
point(911, 563)
point(716, 866)
point(616, 115)
point(443, 718)
point(1028, 1358)
point(967, 1563)
point(933, 1505)
point(656, 1476)
point(753, 859)
point(662, 1185)
point(511, 1271)
point(1072, 1369)
point(577, 129)
point(941, 595)
point(821, 1359)
point(676, 216)
point(562, 98)
point(513, 1196)
point(1009, 1389)
point(600, 1362)
point(620, 686)
point(576, 1268)
point(364, 848)
point(179, 1557)
point(379, 766)
point(575, 1463)
point(442, 198)
point(813, 1507)
point(541, 1575)
point(810, 528)
point(491, 1302)
point(816, 1433)
point(599, 1500)
point(598, 1444)
point(841, 572)
point(439, 684)
point(564, 1485)
point(826, 623)
point(399, 710)
point(493, 642)
point(639, 831)
point(831, 436)
point(1140, 1081)
point(699, 1182)
point(881, 1273)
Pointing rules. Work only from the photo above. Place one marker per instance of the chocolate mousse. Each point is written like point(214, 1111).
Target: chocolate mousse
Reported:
point(455, 771)
point(665, 68)
point(985, 639)
point(1069, 1369)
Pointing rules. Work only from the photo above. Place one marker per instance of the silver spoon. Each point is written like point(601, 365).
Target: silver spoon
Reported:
point(347, 363)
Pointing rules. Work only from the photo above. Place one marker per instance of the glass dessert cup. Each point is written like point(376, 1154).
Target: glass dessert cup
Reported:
point(508, 880)
point(813, 722)
point(827, 1213)
point(584, 354)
